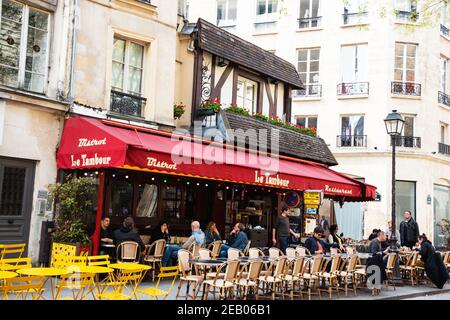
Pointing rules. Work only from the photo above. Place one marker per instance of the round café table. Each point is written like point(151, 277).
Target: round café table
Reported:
point(6, 275)
point(48, 273)
point(205, 264)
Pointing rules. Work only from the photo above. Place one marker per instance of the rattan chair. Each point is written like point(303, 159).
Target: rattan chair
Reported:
point(331, 277)
point(410, 269)
point(292, 281)
point(155, 259)
point(249, 282)
point(311, 278)
point(215, 247)
point(225, 285)
point(272, 281)
point(186, 274)
point(347, 277)
point(275, 253)
point(128, 251)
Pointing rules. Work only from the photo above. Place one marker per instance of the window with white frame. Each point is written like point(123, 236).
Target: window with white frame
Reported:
point(407, 139)
point(24, 42)
point(443, 133)
point(226, 13)
point(352, 131)
point(355, 12)
point(405, 62)
point(443, 66)
point(266, 15)
point(354, 65)
point(308, 69)
point(247, 94)
point(445, 18)
point(309, 14)
point(307, 122)
point(406, 10)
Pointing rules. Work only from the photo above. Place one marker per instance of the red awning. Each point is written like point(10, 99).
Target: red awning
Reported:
point(90, 143)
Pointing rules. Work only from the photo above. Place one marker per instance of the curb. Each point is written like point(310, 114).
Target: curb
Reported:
point(417, 294)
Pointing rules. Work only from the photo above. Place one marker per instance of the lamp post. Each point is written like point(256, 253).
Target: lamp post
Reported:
point(394, 126)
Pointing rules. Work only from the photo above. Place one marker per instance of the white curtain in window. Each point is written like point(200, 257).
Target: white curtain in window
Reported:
point(354, 64)
point(443, 75)
point(148, 203)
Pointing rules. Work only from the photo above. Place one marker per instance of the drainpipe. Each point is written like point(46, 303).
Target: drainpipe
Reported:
point(71, 93)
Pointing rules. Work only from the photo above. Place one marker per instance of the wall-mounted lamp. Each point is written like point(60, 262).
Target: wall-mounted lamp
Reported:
point(221, 62)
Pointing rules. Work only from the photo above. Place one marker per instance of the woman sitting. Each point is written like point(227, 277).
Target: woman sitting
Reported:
point(335, 238)
point(211, 233)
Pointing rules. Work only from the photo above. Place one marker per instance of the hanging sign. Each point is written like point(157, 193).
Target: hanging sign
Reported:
point(311, 209)
point(292, 199)
point(312, 197)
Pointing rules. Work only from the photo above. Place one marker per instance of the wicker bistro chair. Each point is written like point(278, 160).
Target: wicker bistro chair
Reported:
point(302, 251)
point(128, 251)
point(446, 260)
point(154, 259)
point(275, 253)
point(225, 285)
point(311, 278)
point(391, 262)
point(331, 277)
point(254, 253)
point(194, 248)
point(247, 248)
point(292, 281)
point(347, 276)
point(186, 274)
point(272, 281)
point(410, 270)
point(233, 254)
point(249, 282)
point(215, 247)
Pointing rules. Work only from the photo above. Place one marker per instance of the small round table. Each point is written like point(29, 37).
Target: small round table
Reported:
point(49, 273)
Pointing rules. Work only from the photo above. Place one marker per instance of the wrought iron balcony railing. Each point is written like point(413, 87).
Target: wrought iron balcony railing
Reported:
point(352, 141)
point(444, 98)
point(407, 16)
point(145, 1)
point(311, 90)
point(127, 104)
point(444, 30)
point(444, 148)
point(355, 18)
point(312, 22)
point(352, 88)
point(406, 88)
point(408, 142)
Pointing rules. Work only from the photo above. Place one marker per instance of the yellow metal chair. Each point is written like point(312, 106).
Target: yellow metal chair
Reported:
point(23, 287)
point(11, 250)
point(63, 261)
point(15, 264)
point(79, 284)
point(60, 249)
point(101, 261)
point(120, 286)
point(164, 273)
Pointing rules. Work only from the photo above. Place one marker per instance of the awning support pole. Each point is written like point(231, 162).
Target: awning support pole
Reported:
point(96, 236)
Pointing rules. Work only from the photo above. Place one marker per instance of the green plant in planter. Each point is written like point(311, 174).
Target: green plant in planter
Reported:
point(73, 200)
point(178, 110)
point(238, 110)
point(213, 105)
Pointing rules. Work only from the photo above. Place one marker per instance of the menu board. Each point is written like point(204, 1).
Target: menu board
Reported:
point(312, 197)
point(310, 224)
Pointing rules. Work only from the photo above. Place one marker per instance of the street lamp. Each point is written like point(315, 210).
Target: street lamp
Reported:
point(394, 127)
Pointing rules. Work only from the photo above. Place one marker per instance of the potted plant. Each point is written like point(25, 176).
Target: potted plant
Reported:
point(178, 110)
point(72, 203)
point(209, 108)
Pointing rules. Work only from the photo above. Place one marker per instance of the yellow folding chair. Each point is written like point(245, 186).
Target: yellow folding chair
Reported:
point(155, 292)
point(120, 284)
point(79, 284)
point(22, 287)
point(101, 261)
point(9, 250)
point(59, 249)
point(15, 264)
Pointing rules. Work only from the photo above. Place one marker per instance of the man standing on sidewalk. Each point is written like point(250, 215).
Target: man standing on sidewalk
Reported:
point(283, 230)
point(409, 231)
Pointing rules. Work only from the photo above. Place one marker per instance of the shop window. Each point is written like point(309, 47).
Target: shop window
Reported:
point(24, 35)
point(148, 201)
point(441, 205)
point(405, 192)
point(171, 201)
point(121, 198)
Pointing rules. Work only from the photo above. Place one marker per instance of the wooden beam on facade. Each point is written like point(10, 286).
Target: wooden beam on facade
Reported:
point(215, 93)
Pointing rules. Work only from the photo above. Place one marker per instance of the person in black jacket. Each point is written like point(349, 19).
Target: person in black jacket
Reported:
point(160, 232)
point(126, 233)
point(434, 266)
point(409, 231)
point(211, 233)
point(316, 245)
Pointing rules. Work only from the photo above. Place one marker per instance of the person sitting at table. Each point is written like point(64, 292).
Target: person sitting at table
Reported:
point(316, 245)
point(237, 239)
point(106, 237)
point(211, 233)
point(374, 234)
point(433, 263)
point(379, 255)
point(171, 252)
point(128, 233)
point(335, 238)
point(160, 232)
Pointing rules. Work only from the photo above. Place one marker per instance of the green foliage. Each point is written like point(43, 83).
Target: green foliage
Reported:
point(214, 105)
point(444, 224)
point(73, 200)
point(238, 110)
point(178, 110)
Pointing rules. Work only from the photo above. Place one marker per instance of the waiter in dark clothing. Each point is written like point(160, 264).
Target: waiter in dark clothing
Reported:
point(409, 231)
point(282, 229)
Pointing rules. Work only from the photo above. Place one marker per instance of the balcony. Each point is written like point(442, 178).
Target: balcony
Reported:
point(306, 23)
point(353, 88)
point(408, 142)
point(406, 88)
point(357, 141)
point(444, 98)
point(311, 90)
point(355, 18)
point(127, 104)
point(444, 149)
point(407, 16)
point(444, 31)
point(145, 1)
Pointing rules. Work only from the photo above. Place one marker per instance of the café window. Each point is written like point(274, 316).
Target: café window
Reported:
point(307, 122)
point(171, 201)
point(24, 33)
point(405, 197)
point(148, 201)
point(246, 94)
point(121, 197)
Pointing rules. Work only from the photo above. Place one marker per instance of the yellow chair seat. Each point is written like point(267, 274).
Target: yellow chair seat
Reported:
point(114, 296)
point(154, 292)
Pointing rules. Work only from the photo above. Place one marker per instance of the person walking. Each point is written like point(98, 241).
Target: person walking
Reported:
point(409, 231)
point(324, 223)
point(282, 229)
